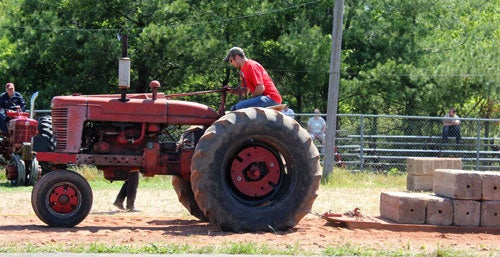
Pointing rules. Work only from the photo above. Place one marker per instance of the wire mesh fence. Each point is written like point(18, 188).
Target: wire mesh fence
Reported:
point(382, 143)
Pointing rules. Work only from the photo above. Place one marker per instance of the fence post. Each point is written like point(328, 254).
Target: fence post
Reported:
point(478, 143)
point(361, 142)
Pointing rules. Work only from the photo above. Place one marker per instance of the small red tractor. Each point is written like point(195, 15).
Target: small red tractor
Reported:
point(15, 148)
point(253, 169)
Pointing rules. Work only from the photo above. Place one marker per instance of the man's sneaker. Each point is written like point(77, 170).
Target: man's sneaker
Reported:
point(133, 210)
point(119, 205)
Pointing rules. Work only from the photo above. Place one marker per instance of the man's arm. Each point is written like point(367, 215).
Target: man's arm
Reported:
point(2, 101)
point(22, 103)
point(259, 90)
point(239, 91)
point(447, 121)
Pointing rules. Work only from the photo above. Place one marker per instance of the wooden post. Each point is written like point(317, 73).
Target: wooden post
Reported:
point(333, 88)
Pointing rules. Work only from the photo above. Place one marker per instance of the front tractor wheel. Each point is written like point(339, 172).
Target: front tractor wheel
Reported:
point(16, 171)
point(255, 169)
point(35, 172)
point(62, 198)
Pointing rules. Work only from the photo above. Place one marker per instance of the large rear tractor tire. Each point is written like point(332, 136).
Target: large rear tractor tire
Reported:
point(45, 130)
point(182, 185)
point(62, 198)
point(255, 169)
point(186, 197)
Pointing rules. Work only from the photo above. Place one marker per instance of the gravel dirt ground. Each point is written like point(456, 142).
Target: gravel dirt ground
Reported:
point(162, 220)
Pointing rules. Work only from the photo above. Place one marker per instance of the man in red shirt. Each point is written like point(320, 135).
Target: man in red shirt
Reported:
point(255, 79)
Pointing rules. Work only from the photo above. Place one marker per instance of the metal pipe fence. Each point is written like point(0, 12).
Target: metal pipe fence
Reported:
point(382, 143)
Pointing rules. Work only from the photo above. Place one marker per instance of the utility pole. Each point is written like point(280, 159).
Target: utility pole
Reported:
point(333, 88)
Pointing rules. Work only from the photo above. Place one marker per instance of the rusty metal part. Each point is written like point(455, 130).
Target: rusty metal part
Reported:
point(355, 220)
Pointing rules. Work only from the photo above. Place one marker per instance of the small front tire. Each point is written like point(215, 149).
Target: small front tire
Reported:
point(62, 198)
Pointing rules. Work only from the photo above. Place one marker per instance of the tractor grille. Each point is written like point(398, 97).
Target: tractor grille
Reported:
point(60, 127)
point(25, 129)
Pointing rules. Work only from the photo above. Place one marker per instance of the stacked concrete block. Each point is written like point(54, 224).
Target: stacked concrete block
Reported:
point(461, 198)
point(439, 211)
point(458, 184)
point(402, 207)
point(467, 213)
point(416, 208)
point(490, 206)
point(476, 196)
point(420, 171)
point(491, 185)
point(490, 214)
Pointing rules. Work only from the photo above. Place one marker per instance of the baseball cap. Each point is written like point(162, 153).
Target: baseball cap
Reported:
point(232, 52)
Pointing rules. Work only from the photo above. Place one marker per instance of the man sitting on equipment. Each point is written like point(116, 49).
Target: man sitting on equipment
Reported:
point(10, 100)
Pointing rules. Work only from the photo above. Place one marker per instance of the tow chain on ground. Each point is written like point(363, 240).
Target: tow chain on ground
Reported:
point(319, 215)
point(356, 213)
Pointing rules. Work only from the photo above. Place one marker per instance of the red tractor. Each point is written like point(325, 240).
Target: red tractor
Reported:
point(15, 148)
point(253, 169)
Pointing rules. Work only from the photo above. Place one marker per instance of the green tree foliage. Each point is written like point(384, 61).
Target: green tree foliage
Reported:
point(421, 57)
point(398, 57)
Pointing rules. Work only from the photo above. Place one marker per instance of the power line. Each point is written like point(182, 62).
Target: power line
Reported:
point(256, 14)
point(395, 75)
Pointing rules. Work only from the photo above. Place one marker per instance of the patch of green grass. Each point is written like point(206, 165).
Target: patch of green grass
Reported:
point(354, 250)
point(242, 248)
point(155, 183)
point(338, 179)
point(349, 179)
point(7, 188)
point(234, 248)
point(97, 181)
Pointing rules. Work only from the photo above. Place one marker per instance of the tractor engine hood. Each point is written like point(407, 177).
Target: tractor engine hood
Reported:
point(138, 108)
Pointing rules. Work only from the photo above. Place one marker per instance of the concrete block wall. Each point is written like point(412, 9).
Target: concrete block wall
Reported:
point(460, 198)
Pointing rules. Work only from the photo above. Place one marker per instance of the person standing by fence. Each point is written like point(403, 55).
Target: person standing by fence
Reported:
point(451, 127)
point(316, 126)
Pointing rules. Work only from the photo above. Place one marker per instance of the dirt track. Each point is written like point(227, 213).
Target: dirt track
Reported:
point(164, 221)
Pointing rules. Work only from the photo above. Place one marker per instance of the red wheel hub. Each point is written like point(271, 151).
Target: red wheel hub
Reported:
point(255, 171)
point(63, 199)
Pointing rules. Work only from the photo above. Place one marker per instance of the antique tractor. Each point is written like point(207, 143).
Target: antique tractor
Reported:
point(15, 148)
point(253, 169)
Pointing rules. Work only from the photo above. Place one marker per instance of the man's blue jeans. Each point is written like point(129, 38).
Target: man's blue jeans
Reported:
point(452, 131)
point(258, 101)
